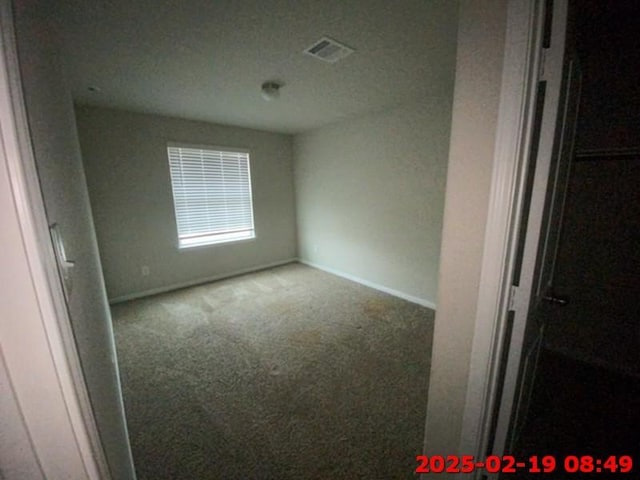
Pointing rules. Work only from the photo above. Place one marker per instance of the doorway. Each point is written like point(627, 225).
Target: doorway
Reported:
point(587, 391)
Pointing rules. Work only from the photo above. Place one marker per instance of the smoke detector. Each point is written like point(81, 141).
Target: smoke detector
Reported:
point(328, 50)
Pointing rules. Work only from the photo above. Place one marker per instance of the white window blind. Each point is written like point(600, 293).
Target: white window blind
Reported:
point(211, 195)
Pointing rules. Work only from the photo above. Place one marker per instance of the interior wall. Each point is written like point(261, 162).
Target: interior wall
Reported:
point(62, 180)
point(370, 194)
point(473, 129)
point(609, 51)
point(125, 157)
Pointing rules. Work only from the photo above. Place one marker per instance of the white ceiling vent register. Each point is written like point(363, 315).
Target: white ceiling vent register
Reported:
point(328, 50)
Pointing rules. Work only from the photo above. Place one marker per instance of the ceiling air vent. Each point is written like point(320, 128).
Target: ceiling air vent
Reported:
point(328, 50)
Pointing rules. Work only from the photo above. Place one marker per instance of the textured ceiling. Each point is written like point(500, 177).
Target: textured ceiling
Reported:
point(206, 59)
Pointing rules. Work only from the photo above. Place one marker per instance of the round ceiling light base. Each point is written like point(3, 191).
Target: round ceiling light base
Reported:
point(270, 90)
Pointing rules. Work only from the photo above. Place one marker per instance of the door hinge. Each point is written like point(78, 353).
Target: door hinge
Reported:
point(513, 291)
point(543, 61)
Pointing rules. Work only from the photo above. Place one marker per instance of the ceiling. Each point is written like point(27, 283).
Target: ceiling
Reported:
point(206, 59)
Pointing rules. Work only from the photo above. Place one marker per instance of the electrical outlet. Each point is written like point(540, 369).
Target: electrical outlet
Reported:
point(145, 270)
point(315, 249)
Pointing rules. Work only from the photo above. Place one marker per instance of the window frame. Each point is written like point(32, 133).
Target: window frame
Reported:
point(212, 148)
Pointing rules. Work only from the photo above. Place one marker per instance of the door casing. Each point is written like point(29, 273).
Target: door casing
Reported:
point(490, 392)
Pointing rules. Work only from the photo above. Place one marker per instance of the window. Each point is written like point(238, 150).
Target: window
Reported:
point(211, 195)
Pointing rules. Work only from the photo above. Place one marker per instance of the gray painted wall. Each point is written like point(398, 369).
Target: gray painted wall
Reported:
point(473, 129)
point(370, 194)
point(127, 170)
point(57, 154)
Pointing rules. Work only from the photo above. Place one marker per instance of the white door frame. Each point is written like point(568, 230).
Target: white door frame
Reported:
point(523, 68)
point(36, 340)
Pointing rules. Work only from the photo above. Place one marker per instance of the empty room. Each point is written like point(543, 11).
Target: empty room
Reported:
point(266, 181)
point(279, 239)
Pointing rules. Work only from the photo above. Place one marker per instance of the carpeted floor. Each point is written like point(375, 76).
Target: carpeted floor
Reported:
point(289, 373)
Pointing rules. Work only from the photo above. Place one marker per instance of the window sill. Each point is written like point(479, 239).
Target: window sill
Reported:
point(215, 243)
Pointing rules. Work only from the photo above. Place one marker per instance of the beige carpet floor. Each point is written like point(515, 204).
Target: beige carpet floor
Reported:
point(288, 373)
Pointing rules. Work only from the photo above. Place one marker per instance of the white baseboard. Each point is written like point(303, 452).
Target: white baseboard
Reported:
point(191, 283)
point(396, 293)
